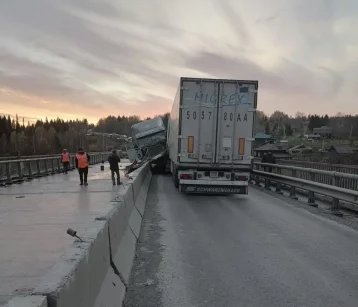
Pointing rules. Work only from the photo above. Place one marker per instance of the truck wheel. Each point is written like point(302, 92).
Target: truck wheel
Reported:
point(175, 179)
point(162, 168)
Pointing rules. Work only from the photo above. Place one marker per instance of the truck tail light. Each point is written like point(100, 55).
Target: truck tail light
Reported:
point(242, 146)
point(186, 176)
point(190, 144)
point(241, 178)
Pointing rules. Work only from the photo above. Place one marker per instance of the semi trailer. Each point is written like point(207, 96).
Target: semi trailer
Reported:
point(210, 134)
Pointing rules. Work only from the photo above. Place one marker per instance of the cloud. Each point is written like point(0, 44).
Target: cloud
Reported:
point(234, 20)
point(92, 58)
point(267, 19)
point(281, 81)
point(337, 80)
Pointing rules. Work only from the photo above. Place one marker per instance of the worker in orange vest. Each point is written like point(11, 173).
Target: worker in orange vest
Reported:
point(65, 159)
point(82, 161)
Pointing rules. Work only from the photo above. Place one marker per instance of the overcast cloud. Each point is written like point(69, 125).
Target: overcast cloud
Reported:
point(93, 58)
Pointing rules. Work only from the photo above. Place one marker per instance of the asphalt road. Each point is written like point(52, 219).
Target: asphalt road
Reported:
point(255, 251)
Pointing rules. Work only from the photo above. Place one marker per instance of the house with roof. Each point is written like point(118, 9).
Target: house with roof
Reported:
point(341, 150)
point(342, 153)
point(299, 149)
point(261, 138)
point(278, 150)
point(312, 137)
point(323, 131)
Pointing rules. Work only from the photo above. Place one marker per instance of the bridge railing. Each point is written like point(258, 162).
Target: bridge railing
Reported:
point(23, 169)
point(8, 158)
point(342, 168)
point(324, 172)
point(336, 185)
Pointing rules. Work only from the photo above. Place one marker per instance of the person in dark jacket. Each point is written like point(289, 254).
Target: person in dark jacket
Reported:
point(82, 162)
point(113, 160)
point(270, 159)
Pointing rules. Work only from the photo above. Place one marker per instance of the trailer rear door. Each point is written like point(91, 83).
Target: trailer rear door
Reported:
point(236, 118)
point(216, 121)
point(198, 121)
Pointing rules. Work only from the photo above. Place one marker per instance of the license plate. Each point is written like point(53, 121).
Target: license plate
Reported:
point(214, 190)
point(214, 174)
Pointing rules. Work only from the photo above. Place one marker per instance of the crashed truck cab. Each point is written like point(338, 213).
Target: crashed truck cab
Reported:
point(148, 142)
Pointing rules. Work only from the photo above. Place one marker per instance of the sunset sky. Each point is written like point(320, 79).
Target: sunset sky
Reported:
point(87, 58)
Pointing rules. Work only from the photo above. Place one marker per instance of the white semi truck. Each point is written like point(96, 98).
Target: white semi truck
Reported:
point(210, 134)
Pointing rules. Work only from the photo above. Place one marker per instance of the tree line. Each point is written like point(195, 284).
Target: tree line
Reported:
point(51, 136)
point(280, 124)
point(41, 137)
point(18, 138)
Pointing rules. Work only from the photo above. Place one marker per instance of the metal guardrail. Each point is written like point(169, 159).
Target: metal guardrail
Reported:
point(8, 158)
point(342, 168)
point(12, 171)
point(328, 183)
point(323, 174)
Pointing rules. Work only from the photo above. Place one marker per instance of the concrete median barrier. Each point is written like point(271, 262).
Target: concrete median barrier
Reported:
point(96, 272)
point(124, 254)
point(76, 279)
point(135, 222)
point(142, 197)
point(28, 301)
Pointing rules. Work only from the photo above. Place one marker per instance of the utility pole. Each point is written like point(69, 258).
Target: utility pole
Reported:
point(350, 135)
point(33, 141)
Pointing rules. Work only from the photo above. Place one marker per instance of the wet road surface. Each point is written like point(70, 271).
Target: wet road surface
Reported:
point(34, 217)
point(251, 251)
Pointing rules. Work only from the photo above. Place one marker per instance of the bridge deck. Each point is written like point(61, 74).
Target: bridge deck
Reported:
point(34, 217)
point(257, 250)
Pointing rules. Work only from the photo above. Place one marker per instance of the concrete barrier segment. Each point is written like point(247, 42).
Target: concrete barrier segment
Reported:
point(138, 178)
point(28, 301)
point(112, 291)
point(141, 199)
point(76, 279)
point(137, 186)
point(122, 237)
point(123, 256)
point(118, 217)
point(140, 205)
point(118, 222)
point(135, 222)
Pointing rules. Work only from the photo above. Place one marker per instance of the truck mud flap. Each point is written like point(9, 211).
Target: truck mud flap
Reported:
point(213, 189)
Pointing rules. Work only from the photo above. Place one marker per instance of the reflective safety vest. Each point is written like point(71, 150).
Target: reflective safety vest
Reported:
point(82, 160)
point(65, 157)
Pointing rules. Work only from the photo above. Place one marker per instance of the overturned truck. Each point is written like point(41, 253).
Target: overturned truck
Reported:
point(149, 143)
